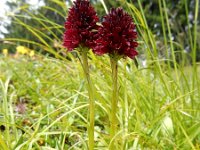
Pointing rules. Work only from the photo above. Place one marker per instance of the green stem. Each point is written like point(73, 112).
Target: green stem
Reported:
point(6, 109)
point(194, 50)
point(91, 100)
point(3, 144)
point(113, 118)
point(164, 34)
point(170, 41)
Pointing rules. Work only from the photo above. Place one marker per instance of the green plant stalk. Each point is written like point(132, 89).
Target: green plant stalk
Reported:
point(188, 23)
point(3, 144)
point(192, 40)
point(113, 116)
point(91, 100)
point(171, 42)
point(126, 107)
point(6, 109)
point(194, 50)
point(104, 6)
point(164, 34)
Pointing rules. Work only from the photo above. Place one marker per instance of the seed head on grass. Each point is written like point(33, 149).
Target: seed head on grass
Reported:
point(117, 35)
point(80, 25)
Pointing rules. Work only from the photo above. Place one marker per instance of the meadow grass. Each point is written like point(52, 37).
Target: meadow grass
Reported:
point(158, 105)
point(151, 115)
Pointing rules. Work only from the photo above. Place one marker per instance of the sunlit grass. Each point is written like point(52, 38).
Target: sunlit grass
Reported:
point(56, 105)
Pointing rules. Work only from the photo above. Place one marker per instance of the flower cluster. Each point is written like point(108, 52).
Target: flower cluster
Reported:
point(80, 25)
point(5, 52)
point(116, 36)
point(25, 51)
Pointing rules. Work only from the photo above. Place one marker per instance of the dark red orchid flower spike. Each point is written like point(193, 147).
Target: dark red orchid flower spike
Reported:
point(117, 35)
point(80, 25)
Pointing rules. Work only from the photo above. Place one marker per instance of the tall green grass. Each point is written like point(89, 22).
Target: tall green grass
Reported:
point(158, 102)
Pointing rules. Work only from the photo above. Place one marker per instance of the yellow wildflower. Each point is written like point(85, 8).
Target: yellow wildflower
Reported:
point(32, 53)
point(5, 52)
point(22, 50)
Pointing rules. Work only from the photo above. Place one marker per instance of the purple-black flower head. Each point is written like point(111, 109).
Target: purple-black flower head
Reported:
point(117, 35)
point(80, 25)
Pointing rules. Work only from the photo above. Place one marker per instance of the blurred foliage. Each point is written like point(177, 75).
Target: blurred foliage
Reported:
point(178, 24)
point(54, 11)
point(33, 18)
